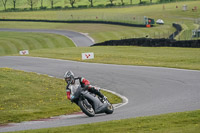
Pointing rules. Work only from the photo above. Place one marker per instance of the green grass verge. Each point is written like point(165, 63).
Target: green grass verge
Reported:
point(99, 32)
point(184, 122)
point(59, 47)
point(13, 42)
point(28, 96)
point(187, 58)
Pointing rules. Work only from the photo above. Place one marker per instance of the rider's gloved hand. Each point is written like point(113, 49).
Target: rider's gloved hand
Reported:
point(72, 98)
point(104, 98)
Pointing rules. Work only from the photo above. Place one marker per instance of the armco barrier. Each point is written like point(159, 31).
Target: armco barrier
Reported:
point(148, 42)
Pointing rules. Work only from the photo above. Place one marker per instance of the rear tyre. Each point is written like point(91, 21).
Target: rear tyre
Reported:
point(89, 111)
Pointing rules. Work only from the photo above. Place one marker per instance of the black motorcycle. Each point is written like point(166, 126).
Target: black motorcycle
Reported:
point(90, 103)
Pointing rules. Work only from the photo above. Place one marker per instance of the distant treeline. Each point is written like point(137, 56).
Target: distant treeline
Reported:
point(24, 5)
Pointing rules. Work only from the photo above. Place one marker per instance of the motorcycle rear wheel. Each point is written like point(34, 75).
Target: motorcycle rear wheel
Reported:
point(89, 111)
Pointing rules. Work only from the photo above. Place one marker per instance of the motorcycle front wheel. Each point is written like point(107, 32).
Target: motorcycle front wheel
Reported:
point(89, 111)
point(110, 108)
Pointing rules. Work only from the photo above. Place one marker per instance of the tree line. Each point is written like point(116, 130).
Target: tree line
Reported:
point(33, 3)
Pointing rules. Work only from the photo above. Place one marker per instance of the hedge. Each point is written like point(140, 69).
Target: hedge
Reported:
point(178, 30)
point(149, 42)
point(76, 21)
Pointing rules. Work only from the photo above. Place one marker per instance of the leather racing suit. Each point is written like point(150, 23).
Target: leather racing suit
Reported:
point(71, 88)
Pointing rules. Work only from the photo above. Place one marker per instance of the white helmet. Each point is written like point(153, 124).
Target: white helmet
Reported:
point(69, 77)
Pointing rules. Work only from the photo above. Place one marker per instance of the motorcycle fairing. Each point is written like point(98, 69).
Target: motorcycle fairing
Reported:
point(99, 107)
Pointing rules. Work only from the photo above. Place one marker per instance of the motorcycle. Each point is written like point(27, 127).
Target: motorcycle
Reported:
point(90, 103)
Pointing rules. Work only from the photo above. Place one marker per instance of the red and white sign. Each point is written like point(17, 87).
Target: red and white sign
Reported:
point(24, 52)
point(87, 56)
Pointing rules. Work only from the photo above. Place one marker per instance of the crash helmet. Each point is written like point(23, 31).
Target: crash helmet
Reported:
point(69, 77)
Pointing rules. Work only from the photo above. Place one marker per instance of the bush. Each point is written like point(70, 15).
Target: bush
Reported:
point(10, 9)
point(178, 30)
point(82, 6)
point(166, 1)
point(109, 5)
point(26, 9)
point(143, 2)
point(58, 7)
point(101, 5)
point(43, 8)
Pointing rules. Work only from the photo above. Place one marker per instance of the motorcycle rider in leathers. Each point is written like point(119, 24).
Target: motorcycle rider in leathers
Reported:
point(73, 83)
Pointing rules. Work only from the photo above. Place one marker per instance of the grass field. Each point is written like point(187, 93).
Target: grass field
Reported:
point(59, 47)
point(186, 122)
point(13, 42)
point(99, 32)
point(169, 14)
point(28, 96)
point(187, 58)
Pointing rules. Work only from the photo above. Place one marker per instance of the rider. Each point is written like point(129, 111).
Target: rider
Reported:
point(73, 83)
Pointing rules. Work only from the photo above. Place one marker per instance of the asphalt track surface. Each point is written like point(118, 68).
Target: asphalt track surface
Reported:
point(150, 90)
point(79, 39)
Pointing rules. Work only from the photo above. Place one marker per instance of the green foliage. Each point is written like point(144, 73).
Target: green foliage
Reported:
point(23, 4)
point(32, 3)
point(4, 2)
point(168, 1)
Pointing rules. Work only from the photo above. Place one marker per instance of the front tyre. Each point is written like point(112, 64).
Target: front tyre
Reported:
point(89, 111)
point(110, 108)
